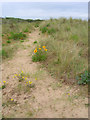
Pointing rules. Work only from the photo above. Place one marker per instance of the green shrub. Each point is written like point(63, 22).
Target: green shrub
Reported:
point(21, 40)
point(40, 55)
point(44, 29)
point(48, 25)
point(35, 42)
point(8, 41)
point(83, 78)
point(17, 36)
point(2, 35)
point(3, 86)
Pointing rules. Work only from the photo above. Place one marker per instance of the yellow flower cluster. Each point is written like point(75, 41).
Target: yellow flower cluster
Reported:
point(40, 49)
point(4, 81)
point(45, 48)
point(35, 50)
point(11, 99)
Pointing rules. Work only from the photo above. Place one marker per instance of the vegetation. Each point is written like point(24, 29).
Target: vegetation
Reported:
point(83, 78)
point(40, 54)
point(13, 31)
point(35, 42)
point(67, 44)
point(8, 52)
point(66, 41)
point(17, 36)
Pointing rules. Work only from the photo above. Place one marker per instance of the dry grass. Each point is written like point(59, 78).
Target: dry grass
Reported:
point(67, 44)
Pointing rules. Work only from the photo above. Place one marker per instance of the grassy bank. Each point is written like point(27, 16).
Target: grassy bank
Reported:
point(67, 44)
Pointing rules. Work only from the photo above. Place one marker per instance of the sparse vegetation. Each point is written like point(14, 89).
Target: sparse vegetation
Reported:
point(67, 51)
point(17, 36)
point(59, 48)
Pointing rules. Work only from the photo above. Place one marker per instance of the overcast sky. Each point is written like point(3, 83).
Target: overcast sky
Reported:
point(45, 10)
point(44, 0)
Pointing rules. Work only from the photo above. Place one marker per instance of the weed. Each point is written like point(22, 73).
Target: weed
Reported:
point(74, 37)
point(48, 25)
point(87, 105)
point(26, 30)
point(51, 31)
point(21, 40)
point(7, 52)
point(83, 78)
point(44, 29)
point(35, 42)
point(4, 84)
point(4, 53)
point(20, 76)
point(17, 36)
point(3, 44)
point(8, 41)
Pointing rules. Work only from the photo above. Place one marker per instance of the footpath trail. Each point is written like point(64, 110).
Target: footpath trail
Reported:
point(49, 99)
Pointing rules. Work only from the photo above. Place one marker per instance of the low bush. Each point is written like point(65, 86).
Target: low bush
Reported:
point(8, 41)
point(17, 36)
point(44, 29)
point(35, 42)
point(21, 40)
point(36, 25)
point(83, 78)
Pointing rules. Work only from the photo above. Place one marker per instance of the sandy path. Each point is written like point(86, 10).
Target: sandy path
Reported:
point(49, 98)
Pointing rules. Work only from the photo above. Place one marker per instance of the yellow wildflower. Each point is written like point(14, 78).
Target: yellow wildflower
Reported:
point(27, 82)
point(35, 50)
point(22, 71)
point(25, 78)
point(44, 46)
point(13, 76)
point(35, 78)
point(19, 74)
point(4, 81)
point(30, 82)
point(45, 49)
point(11, 99)
point(39, 48)
point(22, 77)
point(68, 93)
